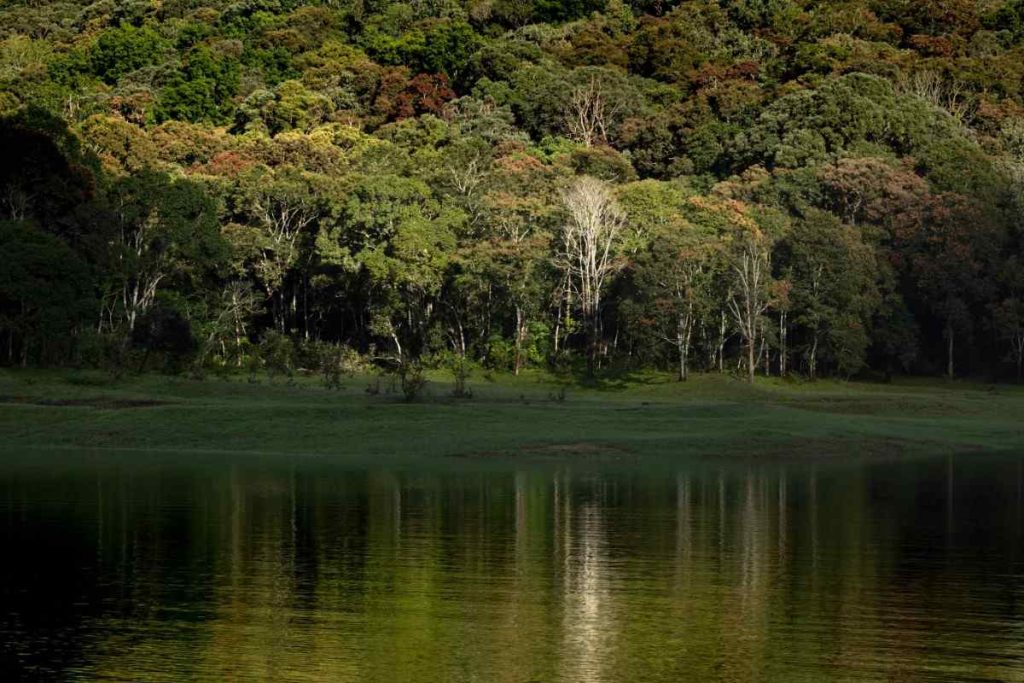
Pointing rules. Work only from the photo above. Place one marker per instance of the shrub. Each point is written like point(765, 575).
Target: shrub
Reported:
point(277, 353)
point(412, 379)
point(332, 362)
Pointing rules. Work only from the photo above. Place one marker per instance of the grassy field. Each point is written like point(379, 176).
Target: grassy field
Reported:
point(640, 417)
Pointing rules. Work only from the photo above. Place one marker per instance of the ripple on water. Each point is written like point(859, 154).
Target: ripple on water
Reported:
point(706, 572)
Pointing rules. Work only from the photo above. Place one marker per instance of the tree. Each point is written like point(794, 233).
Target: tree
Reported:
point(589, 113)
point(47, 176)
point(515, 253)
point(228, 323)
point(947, 242)
point(398, 240)
point(590, 239)
point(1009, 320)
point(46, 295)
point(164, 330)
point(163, 228)
point(751, 269)
point(833, 293)
point(675, 278)
point(389, 175)
point(122, 50)
point(203, 90)
point(280, 211)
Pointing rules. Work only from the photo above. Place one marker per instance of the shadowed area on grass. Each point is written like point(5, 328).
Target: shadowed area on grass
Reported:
point(533, 417)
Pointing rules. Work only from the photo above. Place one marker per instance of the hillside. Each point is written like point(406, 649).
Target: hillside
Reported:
point(769, 186)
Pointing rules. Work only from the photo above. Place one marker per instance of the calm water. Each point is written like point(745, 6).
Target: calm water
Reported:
point(121, 568)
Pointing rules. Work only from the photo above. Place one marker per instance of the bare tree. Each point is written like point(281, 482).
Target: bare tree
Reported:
point(467, 177)
point(750, 295)
point(686, 291)
point(16, 202)
point(589, 113)
point(590, 237)
point(945, 93)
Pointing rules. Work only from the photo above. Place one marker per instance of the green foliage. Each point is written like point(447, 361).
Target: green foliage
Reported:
point(831, 287)
point(45, 295)
point(333, 362)
point(390, 178)
point(443, 46)
point(812, 126)
point(289, 106)
point(203, 90)
point(412, 379)
point(122, 50)
point(277, 354)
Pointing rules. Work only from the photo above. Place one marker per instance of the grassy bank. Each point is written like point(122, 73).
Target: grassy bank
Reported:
point(642, 416)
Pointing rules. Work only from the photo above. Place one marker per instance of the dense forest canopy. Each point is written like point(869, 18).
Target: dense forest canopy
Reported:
point(752, 186)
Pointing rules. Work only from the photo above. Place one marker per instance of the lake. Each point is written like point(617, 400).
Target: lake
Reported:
point(122, 566)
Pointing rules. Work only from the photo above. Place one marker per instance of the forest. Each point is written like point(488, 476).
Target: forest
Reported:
point(755, 187)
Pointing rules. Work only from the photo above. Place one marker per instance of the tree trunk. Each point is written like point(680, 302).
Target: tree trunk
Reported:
point(812, 361)
point(592, 344)
point(238, 341)
point(682, 361)
point(398, 347)
point(763, 355)
point(519, 341)
point(1018, 347)
point(750, 359)
point(949, 352)
point(721, 343)
point(558, 325)
point(294, 310)
point(24, 337)
point(782, 344)
point(681, 347)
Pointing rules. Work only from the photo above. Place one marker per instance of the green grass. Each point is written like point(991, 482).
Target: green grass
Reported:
point(633, 418)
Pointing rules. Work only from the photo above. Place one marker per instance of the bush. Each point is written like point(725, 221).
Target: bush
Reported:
point(501, 353)
point(460, 368)
point(277, 353)
point(412, 378)
point(331, 361)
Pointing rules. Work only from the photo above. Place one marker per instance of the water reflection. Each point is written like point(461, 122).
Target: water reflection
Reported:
point(708, 571)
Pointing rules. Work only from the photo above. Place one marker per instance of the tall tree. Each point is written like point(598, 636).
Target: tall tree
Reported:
point(162, 229)
point(279, 212)
point(833, 293)
point(751, 270)
point(590, 240)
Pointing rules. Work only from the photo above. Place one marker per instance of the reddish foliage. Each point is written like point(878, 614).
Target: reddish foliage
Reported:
point(519, 163)
point(939, 46)
point(398, 98)
point(229, 164)
point(132, 108)
point(870, 190)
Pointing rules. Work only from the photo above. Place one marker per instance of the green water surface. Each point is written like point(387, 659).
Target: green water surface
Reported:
point(121, 566)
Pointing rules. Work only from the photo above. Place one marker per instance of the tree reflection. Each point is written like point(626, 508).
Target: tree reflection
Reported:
point(710, 571)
